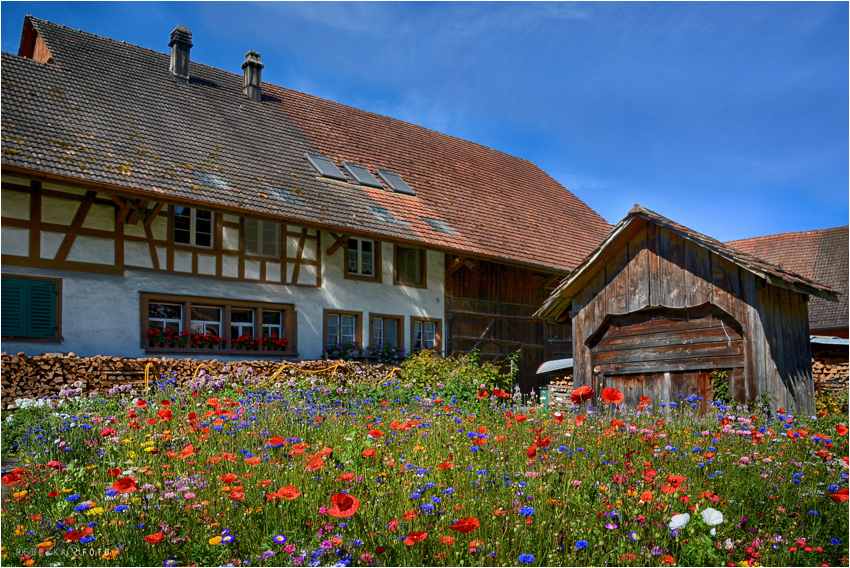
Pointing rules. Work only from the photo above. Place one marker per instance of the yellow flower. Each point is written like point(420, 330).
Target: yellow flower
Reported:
point(46, 545)
point(20, 530)
point(20, 494)
point(603, 488)
point(95, 511)
point(126, 441)
point(215, 540)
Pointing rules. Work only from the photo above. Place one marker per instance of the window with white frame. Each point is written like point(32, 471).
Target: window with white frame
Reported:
point(424, 335)
point(341, 328)
point(361, 257)
point(206, 319)
point(165, 316)
point(193, 227)
point(385, 332)
point(241, 322)
point(262, 238)
point(272, 324)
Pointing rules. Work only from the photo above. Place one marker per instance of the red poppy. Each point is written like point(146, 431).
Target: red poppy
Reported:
point(667, 559)
point(344, 505)
point(444, 465)
point(374, 434)
point(628, 557)
point(228, 478)
point(76, 535)
point(612, 395)
point(646, 497)
point(465, 525)
point(410, 516)
point(165, 414)
point(237, 495)
point(275, 441)
point(581, 395)
point(414, 537)
point(154, 538)
point(644, 400)
point(325, 452)
point(520, 417)
point(841, 430)
point(141, 404)
point(558, 416)
point(840, 496)
point(11, 478)
point(500, 393)
point(531, 451)
point(368, 453)
point(53, 494)
point(114, 472)
point(253, 460)
point(499, 512)
point(482, 394)
point(345, 477)
point(447, 540)
point(166, 403)
point(125, 485)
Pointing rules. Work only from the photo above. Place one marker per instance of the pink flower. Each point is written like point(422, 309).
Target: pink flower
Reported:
point(323, 510)
point(189, 495)
point(290, 548)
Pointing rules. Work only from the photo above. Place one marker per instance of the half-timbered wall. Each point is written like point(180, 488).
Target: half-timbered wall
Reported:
point(651, 266)
point(107, 250)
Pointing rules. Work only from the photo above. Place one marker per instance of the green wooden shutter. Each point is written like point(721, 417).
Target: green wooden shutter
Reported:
point(13, 301)
point(29, 308)
point(42, 309)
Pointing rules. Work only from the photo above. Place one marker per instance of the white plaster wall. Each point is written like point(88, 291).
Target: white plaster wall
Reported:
point(101, 313)
point(15, 204)
point(15, 241)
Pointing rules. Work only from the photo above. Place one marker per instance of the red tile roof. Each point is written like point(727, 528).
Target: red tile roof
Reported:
point(111, 112)
point(821, 255)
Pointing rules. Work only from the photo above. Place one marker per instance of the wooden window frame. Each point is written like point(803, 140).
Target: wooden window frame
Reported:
point(399, 328)
point(57, 337)
point(376, 262)
point(290, 321)
point(358, 325)
point(438, 332)
point(423, 258)
point(260, 227)
point(192, 229)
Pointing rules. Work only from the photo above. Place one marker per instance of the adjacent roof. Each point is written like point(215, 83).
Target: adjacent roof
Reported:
point(559, 301)
point(820, 255)
point(111, 113)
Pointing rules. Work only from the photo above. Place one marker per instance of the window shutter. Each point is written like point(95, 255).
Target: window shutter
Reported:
point(14, 292)
point(42, 309)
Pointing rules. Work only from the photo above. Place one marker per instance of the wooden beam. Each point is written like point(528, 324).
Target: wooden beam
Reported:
point(339, 242)
point(35, 220)
point(150, 218)
point(455, 264)
point(138, 211)
point(76, 224)
point(297, 269)
point(152, 247)
point(121, 204)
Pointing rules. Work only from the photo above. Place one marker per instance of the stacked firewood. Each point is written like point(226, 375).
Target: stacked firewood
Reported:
point(831, 375)
point(565, 382)
point(47, 375)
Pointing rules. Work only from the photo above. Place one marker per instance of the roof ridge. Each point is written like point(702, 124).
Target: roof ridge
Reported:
point(807, 232)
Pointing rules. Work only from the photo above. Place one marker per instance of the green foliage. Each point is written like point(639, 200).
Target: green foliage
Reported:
point(18, 424)
point(831, 403)
point(720, 386)
point(461, 375)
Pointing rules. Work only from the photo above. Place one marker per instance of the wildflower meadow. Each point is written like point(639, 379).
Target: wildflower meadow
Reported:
point(461, 470)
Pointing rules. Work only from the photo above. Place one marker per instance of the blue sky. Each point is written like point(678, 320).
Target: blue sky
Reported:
point(730, 118)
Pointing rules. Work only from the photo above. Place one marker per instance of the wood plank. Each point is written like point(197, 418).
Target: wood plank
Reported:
point(674, 366)
point(698, 275)
point(152, 247)
point(683, 339)
point(696, 352)
point(654, 264)
point(339, 241)
point(152, 215)
point(674, 282)
point(79, 218)
point(616, 283)
point(638, 273)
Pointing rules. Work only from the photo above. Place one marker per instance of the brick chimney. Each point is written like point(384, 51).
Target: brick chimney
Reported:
point(180, 44)
point(253, 69)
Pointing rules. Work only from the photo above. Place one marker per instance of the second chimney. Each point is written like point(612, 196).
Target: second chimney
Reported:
point(253, 69)
point(180, 44)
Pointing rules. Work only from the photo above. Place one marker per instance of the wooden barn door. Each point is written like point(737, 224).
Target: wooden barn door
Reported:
point(663, 353)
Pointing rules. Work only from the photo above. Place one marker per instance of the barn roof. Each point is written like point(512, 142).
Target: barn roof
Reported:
point(111, 113)
point(821, 255)
point(560, 299)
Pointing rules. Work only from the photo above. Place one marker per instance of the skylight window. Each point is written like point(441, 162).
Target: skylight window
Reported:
point(395, 182)
point(384, 215)
point(439, 226)
point(362, 175)
point(325, 166)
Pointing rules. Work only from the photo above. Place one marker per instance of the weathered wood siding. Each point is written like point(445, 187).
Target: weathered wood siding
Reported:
point(652, 267)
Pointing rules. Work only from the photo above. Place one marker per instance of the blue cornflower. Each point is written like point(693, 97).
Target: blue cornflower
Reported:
point(120, 508)
point(82, 507)
point(582, 544)
point(526, 558)
point(634, 536)
point(73, 497)
point(526, 511)
point(835, 541)
point(436, 500)
point(562, 448)
point(415, 495)
point(813, 513)
point(482, 472)
point(448, 490)
point(427, 507)
point(86, 539)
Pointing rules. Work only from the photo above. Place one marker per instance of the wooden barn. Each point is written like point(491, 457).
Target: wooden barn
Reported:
point(657, 307)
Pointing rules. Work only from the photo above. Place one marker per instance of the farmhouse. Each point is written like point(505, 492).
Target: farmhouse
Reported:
point(154, 205)
point(657, 308)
